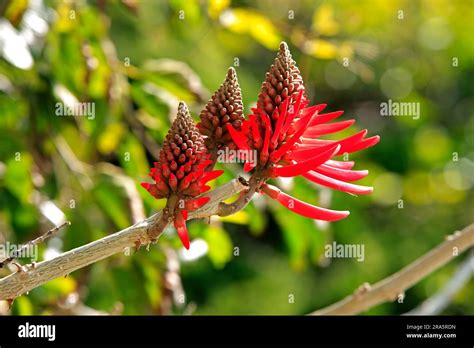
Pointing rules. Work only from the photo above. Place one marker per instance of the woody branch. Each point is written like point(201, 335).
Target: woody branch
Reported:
point(388, 289)
point(34, 275)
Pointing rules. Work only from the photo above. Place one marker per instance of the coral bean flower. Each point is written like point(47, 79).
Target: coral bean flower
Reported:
point(179, 174)
point(286, 134)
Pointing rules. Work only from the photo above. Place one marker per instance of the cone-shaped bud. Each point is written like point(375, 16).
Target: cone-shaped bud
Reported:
point(223, 108)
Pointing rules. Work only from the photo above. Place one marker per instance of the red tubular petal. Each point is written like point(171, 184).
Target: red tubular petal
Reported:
point(307, 142)
point(312, 110)
point(193, 204)
point(279, 124)
point(337, 184)
point(361, 145)
point(320, 119)
point(185, 182)
point(173, 182)
point(306, 209)
point(298, 103)
point(341, 174)
point(266, 141)
point(192, 190)
point(291, 115)
point(165, 170)
point(302, 167)
point(153, 190)
point(342, 165)
point(185, 214)
point(208, 176)
point(180, 225)
point(248, 166)
point(204, 189)
point(239, 139)
point(304, 152)
point(278, 153)
point(346, 144)
point(328, 128)
point(257, 137)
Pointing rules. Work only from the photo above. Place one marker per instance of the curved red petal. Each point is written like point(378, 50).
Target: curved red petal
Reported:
point(320, 119)
point(337, 184)
point(361, 145)
point(312, 110)
point(279, 123)
point(180, 225)
point(302, 167)
point(341, 165)
point(208, 176)
point(328, 128)
point(308, 210)
point(341, 174)
point(239, 139)
point(266, 141)
point(278, 153)
point(257, 137)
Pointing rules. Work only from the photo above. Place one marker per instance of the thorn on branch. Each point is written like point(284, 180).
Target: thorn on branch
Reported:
point(365, 287)
point(20, 268)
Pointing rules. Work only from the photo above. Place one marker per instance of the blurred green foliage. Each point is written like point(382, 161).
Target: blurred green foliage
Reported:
point(135, 59)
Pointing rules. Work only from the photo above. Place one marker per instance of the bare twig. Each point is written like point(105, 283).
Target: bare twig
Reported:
point(390, 288)
point(38, 240)
point(435, 304)
point(18, 283)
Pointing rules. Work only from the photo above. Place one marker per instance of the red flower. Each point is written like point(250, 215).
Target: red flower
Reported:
point(285, 133)
point(179, 174)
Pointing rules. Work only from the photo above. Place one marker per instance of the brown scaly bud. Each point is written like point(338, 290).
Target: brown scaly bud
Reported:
point(224, 107)
point(282, 80)
point(179, 173)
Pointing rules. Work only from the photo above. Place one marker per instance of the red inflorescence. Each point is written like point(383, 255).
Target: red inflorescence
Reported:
point(285, 133)
point(180, 172)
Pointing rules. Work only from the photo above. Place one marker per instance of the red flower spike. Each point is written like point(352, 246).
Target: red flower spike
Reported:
point(180, 171)
point(303, 208)
point(285, 133)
